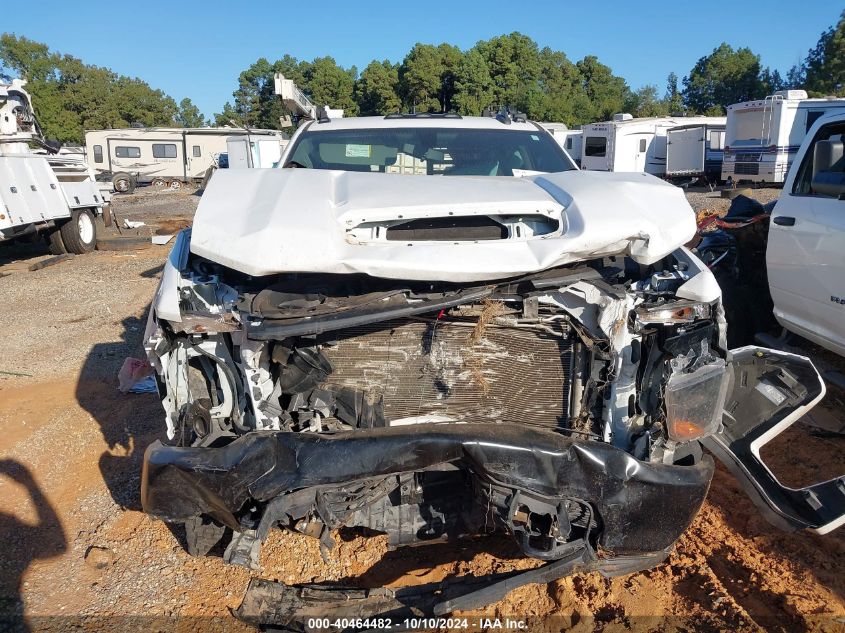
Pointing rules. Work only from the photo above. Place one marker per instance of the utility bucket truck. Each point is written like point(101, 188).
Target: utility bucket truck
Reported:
point(40, 193)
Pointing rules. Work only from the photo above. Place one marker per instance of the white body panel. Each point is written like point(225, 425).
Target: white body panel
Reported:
point(262, 222)
point(804, 261)
point(167, 153)
point(632, 145)
point(762, 137)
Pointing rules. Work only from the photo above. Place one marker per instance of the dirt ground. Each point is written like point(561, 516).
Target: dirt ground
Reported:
point(80, 555)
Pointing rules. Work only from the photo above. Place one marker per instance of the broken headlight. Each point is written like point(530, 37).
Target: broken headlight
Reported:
point(673, 312)
point(695, 396)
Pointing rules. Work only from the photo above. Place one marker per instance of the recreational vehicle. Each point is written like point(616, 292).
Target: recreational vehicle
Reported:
point(695, 151)
point(627, 144)
point(570, 140)
point(159, 156)
point(762, 137)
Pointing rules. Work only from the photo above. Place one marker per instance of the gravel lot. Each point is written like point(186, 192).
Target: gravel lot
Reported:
point(80, 553)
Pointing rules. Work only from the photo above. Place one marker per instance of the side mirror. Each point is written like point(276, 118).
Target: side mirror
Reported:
point(829, 167)
point(53, 145)
point(827, 155)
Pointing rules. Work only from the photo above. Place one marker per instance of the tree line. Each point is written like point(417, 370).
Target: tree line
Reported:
point(71, 96)
point(512, 70)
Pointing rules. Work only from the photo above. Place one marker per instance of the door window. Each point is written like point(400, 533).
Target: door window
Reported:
point(822, 171)
point(595, 146)
point(197, 152)
point(811, 118)
point(98, 153)
point(642, 144)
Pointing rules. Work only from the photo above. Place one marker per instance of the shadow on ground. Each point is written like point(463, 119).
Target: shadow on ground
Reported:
point(24, 542)
point(128, 422)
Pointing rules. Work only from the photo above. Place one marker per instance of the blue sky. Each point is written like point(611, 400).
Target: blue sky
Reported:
point(198, 49)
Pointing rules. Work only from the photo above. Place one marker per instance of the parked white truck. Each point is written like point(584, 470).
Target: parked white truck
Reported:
point(43, 193)
point(804, 256)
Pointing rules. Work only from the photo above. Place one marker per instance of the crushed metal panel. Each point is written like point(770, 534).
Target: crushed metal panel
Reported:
point(262, 222)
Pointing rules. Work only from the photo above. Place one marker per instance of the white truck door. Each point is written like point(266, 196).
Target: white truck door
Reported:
point(804, 258)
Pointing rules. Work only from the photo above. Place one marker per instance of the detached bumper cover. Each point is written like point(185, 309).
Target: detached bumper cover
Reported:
point(642, 507)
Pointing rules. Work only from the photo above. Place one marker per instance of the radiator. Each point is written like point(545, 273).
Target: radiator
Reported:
point(509, 374)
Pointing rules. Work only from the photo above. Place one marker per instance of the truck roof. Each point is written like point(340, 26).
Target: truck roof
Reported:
point(418, 121)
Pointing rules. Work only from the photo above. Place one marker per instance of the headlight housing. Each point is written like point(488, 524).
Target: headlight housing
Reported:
point(673, 312)
point(695, 399)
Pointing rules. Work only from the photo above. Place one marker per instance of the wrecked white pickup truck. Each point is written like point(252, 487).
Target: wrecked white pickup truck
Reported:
point(441, 357)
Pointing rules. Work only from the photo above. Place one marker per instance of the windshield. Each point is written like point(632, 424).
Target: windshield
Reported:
point(430, 151)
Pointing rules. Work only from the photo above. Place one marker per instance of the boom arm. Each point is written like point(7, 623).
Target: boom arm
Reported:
point(299, 104)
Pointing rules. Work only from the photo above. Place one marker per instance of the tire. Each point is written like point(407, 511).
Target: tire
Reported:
point(158, 182)
point(201, 534)
point(57, 245)
point(80, 233)
point(124, 183)
point(175, 185)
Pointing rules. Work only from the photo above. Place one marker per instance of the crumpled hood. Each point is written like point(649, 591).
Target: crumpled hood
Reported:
point(266, 221)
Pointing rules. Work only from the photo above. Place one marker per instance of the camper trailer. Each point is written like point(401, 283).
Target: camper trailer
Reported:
point(762, 137)
point(695, 151)
point(160, 156)
point(570, 140)
point(629, 144)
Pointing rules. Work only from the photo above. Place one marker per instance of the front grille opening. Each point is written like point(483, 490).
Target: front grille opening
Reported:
point(448, 229)
point(434, 367)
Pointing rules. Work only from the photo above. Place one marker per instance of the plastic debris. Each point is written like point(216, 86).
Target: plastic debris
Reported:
point(145, 385)
point(162, 239)
point(132, 372)
point(132, 224)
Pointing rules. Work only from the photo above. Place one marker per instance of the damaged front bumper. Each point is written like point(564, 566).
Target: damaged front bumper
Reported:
point(547, 490)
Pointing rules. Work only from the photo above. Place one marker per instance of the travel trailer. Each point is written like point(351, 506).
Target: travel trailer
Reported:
point(695, 151)
point(762, 137)
point(627, 144)
point(570, 140)
point(160, 156)
point(43, 192)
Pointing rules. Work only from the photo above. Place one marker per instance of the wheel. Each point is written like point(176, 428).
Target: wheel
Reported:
point(124, 183)
point(175, 184)
point(57, 245)
point(158, 182)
point(80, 233)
